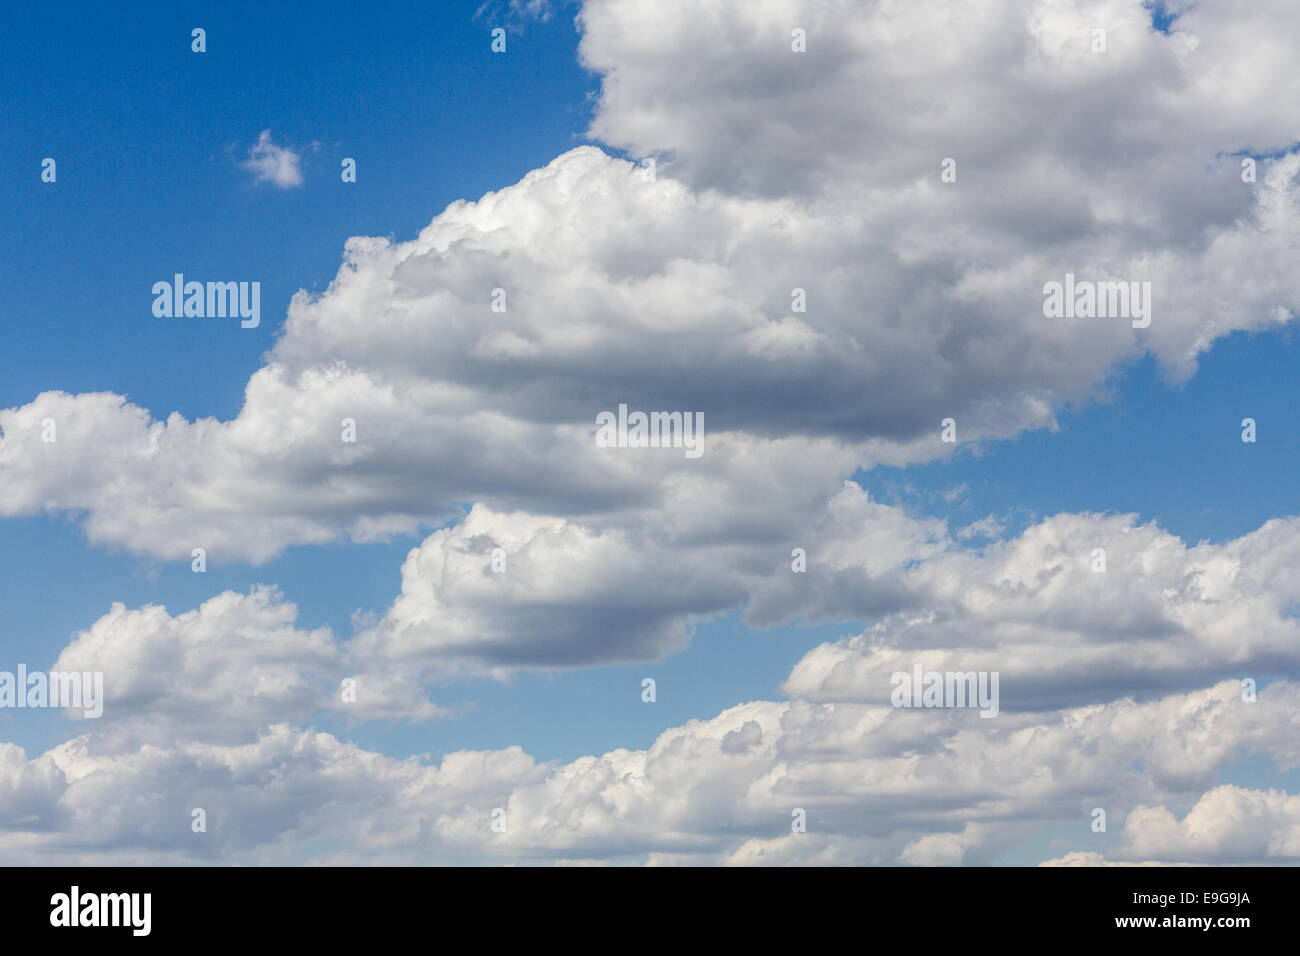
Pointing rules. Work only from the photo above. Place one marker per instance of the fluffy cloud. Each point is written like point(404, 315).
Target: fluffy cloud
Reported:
point(1227, 824)
point(780, 171)
point(222, 671)
point(877, 785)
point(514, 589)
point(270, 163)
point(196, 704)
point(1161, 616)
point(924, 299)
point(502, 591)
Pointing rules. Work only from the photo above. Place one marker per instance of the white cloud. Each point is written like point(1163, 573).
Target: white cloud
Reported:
point(270, 163)
point(1162, 616)
point(196, 704)
point(878, 786)
point(924, 298)
point(816, 171)
point(1227, 824)
point(221, 672)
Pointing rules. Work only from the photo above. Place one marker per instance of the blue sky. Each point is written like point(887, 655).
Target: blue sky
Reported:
point(1166, 451)
point(149, 146)
point(149, 139)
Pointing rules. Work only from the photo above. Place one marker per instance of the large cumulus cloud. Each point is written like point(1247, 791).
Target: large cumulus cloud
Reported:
point(815, 171)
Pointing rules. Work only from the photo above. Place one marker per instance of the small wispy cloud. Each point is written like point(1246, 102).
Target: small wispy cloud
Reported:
point(276, 164)
point(988, 527)
point(952, 494)
point(515, 13)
